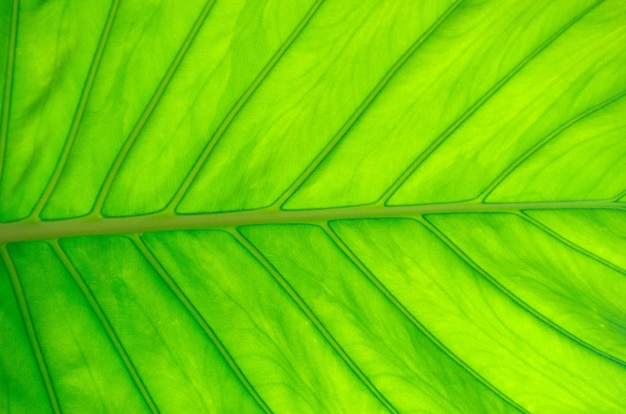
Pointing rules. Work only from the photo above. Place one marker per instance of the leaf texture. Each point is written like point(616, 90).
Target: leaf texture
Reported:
point(316, 206)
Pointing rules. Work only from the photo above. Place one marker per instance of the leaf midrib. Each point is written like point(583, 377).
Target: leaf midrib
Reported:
point(35, 229)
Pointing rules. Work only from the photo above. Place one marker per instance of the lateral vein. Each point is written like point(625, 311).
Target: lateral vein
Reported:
point(154, 101)
point(478, 104)
point(546, 229)
point(414, 321)
point(542, 142)
point(234, 111)
point(365, 105)
point(8, 84)
point(80, 111)
point(97, 310)
point(297, 299)
point(30, 329)
point(204, 325)
point(512, 296)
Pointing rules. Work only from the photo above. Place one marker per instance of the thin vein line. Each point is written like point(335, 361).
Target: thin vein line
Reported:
point(89, 226)
point(284, 284)
point(546, 229)
point(97, 310)
point(413, 320)
point(509, 294)
point(234, 111)
point(619, 196)
point(541, 143)
point(80, 111)
point(30, 330)
point(154, 101)
point(365, 105)
point(180, 295)
point(8, 83)
point(477, 105)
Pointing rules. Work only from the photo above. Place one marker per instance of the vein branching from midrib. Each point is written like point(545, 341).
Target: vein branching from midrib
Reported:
point(90, 226)
point(365, 105)
point(541, 143)
point(301, 304)
point(501, 288)
point(567, 242)
point(30, 330)
point(414, 321)
point(195, 314)
point(478, 104)
point(241, 102)
point(80, 111)
point(154, 101)
point(111, 335)
point(8, 84)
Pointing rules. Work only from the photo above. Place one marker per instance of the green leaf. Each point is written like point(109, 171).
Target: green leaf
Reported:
point(312, 206)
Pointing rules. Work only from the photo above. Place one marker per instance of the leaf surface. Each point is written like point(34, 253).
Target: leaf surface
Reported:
point(312, 206)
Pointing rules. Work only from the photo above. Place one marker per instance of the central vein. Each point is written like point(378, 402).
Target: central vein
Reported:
point(91, 226)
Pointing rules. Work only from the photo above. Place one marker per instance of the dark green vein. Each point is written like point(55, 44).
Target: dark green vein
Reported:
point(154, 101)
point(569, 243)
point(80, 110)
point(284, 284)
point(97, 310)
point(234, 111)
point(542, 142)
point(477, 105)
point(619, 196)
point(365, 105)
point(434, 391)
point(509, 294)
point(30, 329)
point(8, 83)
point(180, 295)
point(407, 314)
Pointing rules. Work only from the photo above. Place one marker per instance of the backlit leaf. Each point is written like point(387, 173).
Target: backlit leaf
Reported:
point(312, 206)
